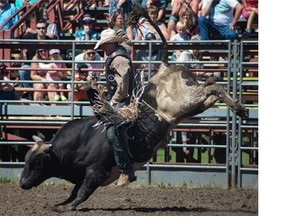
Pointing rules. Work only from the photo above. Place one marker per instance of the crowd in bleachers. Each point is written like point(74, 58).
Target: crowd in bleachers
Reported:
point(185, 20)
point(179, 20)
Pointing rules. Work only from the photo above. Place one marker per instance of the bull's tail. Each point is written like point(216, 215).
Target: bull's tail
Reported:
point(134, 17)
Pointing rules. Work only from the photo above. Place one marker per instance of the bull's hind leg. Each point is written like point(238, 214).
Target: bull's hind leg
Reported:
point(95, 177)
point(220, 93)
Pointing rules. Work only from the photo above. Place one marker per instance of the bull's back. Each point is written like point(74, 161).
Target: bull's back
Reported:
point(81, 142)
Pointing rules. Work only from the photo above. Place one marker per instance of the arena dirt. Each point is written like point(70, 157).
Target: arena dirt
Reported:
point(130, 200)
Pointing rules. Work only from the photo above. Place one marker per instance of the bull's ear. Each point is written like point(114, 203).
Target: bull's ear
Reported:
point(41, 135)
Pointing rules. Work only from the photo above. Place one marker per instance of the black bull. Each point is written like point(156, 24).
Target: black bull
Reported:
point(81, 154)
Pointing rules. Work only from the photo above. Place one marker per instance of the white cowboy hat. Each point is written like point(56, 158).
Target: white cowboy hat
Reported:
point(108, 36)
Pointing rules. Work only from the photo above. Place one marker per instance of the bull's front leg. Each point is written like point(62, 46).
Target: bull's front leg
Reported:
point(72, 196)
point(94, 177)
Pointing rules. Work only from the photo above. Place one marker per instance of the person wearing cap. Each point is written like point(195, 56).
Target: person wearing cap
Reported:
point(120, 82)
point(57, 75)
point(144, 56)
point(86, 57)
point(87, 32)
point(81, 74)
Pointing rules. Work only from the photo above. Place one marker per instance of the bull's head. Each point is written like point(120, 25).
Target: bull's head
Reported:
point(37, 161)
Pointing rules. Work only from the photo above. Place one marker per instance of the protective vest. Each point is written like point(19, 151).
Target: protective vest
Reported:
point(111, 84)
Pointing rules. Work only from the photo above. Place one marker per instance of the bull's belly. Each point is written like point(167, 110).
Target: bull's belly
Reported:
point(114, 174)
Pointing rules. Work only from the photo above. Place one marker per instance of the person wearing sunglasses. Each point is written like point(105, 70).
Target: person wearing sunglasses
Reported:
point(39, 33)
point(90, 55)
point(39, 72)
point(51, 27)
point(87, 31)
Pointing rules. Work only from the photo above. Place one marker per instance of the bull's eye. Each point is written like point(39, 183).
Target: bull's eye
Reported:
point(36, 164)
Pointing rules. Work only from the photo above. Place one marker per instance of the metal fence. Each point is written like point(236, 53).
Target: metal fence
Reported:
point(232, 66)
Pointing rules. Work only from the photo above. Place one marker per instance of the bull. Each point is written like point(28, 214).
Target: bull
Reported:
point(81, 154)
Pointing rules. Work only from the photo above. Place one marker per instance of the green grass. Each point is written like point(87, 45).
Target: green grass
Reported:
point(204, 157)
point(6, 180)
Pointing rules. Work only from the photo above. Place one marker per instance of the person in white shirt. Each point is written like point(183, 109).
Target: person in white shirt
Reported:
point(90, 55)
point(219, 18)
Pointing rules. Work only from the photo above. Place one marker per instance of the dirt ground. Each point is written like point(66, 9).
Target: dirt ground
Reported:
point(130, 200)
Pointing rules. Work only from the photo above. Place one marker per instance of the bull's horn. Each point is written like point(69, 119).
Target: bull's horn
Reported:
point(41, 147)
point(38, 144)
point(37, 139)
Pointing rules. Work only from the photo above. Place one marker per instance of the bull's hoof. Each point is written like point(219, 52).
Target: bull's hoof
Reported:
point(59, 208)
point(210, 81)
point(72, 208)
point(241, 111)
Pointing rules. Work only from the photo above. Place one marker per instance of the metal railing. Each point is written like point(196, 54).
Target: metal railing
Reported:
point(20, 115)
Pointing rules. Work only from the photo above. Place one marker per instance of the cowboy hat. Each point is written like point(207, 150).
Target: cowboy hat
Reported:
point(108, 36)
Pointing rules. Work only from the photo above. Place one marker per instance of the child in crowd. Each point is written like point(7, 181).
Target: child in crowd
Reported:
point(81, 74)
point(182, 35)
point(56, 75)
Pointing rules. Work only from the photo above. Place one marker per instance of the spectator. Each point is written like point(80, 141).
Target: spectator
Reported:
point(143, 55)
point(119, 21)
point(217, 19)
point(79, 89)
point(186, 16)
point(21, 73)
point(249, 12)
point(7, 91)
point(182, 35)
point(30, 34)
point(55, 75)
point(20, 3)
point(160, 4)
point(87, 31)
point(6, 11)
point(177, 13)
point(91, 55)
point(35, 34)
point(14, 74)
point(125, 6)
point(146, 27)
point(106, 3)
point(51, 28)
point(197, 56)
point(38, 73)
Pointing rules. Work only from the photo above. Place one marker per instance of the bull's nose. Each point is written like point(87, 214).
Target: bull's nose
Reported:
point(24, 186)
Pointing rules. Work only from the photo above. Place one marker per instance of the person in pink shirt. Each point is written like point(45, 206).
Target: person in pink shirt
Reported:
point(249, 12)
